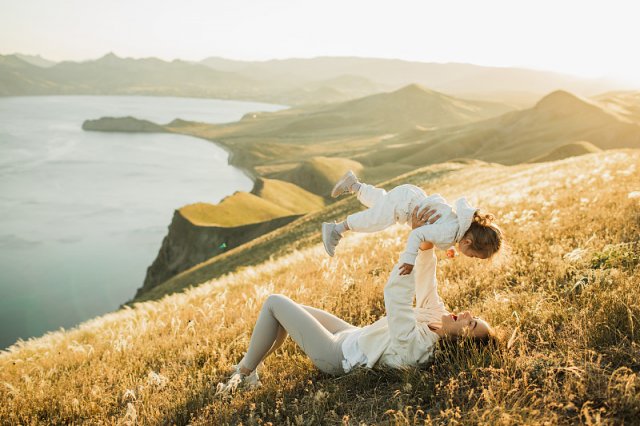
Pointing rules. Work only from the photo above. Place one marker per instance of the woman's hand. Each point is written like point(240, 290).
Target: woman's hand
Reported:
point(423, 217)
point(405, 269)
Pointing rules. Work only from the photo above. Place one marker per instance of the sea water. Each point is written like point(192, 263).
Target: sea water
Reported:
point(83, 214)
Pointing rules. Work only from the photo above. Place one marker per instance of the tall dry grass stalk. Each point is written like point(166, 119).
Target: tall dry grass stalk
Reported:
point(565, 299)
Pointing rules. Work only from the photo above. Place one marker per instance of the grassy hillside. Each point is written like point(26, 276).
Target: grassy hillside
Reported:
point(269, 199)
point(319, 174)
point(625, 104)
point(557, 119)
point(295, 236)
point(238, 209)
point(278, 144)
point(565, 300)
point(389, 112)
point(569, 150)
point(287, 195)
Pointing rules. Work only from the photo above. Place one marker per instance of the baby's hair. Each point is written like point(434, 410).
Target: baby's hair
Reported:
point(486, 237)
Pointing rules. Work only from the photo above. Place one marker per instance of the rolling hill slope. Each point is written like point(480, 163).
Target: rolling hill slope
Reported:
point(565, 301)
point(341, 129)
point(572, 149)
point(557, 119)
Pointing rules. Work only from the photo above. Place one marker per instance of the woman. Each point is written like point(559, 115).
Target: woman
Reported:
point(405, 337)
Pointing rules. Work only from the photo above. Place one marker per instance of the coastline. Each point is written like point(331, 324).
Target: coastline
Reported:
point(164, 128)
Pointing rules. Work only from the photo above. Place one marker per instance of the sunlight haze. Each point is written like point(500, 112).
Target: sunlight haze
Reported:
point(591, 39)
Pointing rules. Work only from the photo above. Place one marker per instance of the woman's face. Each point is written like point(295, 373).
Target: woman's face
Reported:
point(464, 324)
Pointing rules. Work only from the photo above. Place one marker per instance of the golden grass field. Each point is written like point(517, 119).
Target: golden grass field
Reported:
point(565, 300)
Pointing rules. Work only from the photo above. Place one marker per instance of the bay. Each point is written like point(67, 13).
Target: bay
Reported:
point(83, 214)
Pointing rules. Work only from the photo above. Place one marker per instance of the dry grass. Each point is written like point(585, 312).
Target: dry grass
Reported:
point(270, 199)
point(241, 208)
point(566, 300)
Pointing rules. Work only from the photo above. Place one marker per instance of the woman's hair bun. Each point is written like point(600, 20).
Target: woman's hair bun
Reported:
point(482, 218)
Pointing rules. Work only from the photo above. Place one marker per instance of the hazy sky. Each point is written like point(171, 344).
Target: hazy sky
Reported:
point(590, 38)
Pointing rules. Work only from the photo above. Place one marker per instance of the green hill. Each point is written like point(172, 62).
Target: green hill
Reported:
point(623, 104)
point(319, 174)
point(343, 129)
point(269, 199)
point(241, 208)
point(569, 150)
point(287, 195)
point(557, 119)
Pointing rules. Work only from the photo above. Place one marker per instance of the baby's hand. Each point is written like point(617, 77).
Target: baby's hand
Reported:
point(452, 253)
point(426, 245)
point(405, 269)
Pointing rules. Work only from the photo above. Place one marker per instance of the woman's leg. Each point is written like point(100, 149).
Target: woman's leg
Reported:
point(329, 321)
point(309, 333)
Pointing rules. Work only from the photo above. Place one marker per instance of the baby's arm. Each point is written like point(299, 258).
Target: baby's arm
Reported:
point(406, 268)
point(426, 233)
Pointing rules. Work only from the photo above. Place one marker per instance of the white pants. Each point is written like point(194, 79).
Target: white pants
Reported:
point(385, 208)
point(317, 332)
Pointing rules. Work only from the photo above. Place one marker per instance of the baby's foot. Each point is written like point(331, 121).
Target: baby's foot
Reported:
point(346, 185)
point(330, 237)
point(238, 380)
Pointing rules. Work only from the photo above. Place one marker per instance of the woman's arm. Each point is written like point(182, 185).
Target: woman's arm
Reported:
point(398, 302)
point(419, 218)
point(425, 277)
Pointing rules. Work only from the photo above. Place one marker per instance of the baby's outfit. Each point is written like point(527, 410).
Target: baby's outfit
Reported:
point(396, 206)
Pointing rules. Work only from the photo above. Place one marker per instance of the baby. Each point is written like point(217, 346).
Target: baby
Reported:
point(474, 231)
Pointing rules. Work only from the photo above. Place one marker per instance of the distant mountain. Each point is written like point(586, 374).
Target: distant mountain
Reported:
point(380, 114)
point(113, 75)
point(558, 119)
point(623, 104)
point(518, 86)
point(414, 105)
point(36, 60)
point(290, 81)
point(18, 77)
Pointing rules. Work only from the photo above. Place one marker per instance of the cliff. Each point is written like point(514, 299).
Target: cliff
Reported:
point(201, 231)
point(187, 245)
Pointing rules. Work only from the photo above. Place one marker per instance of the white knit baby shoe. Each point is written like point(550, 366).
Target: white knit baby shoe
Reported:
point(238, 380)
point(330, 237)
point(345, 185)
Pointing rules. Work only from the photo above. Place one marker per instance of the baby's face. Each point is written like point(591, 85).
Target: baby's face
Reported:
point(464, 246)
